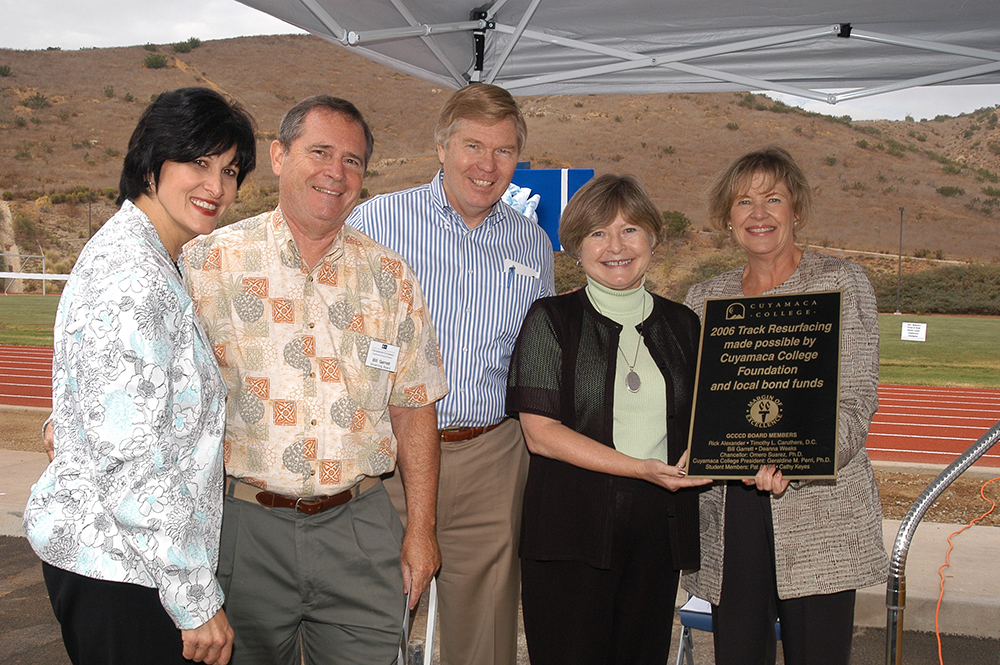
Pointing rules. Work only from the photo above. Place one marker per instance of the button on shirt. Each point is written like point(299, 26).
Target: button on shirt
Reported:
point(308, 415)
point(479, 284)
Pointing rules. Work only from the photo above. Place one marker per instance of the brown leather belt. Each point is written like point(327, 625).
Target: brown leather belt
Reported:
point(244, 491)
point(453, 434)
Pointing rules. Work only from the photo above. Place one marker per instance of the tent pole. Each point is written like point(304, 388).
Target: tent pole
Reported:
point(522, 25)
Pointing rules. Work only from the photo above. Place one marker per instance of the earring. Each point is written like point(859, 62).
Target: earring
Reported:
point(729, 227)
point(578, 263)
point(795, 224)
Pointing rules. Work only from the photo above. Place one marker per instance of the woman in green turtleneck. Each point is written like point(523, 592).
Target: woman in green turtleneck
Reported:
point(602, 380)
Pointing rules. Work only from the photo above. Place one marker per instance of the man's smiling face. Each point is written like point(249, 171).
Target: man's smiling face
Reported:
point(478, 162)
point(320, 175)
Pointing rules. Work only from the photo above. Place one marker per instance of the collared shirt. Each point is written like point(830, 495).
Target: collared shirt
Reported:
point(479, 284)
point(134, 493)
point(307, 412)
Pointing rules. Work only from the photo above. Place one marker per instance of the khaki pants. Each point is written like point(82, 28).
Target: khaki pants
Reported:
point(479, 528)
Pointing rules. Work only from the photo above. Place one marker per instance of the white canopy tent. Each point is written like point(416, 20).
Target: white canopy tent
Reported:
point(806, 48)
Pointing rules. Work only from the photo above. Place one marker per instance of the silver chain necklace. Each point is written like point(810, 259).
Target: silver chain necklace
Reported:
point(632, 380)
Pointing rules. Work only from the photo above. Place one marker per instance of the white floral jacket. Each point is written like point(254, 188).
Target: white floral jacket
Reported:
point(134, 493)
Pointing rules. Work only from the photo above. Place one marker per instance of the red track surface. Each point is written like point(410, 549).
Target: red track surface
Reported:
point(932, 425)
point(26, 375)
point(914, 424)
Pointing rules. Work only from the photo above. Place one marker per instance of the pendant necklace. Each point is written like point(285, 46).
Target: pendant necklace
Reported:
point(632, 380)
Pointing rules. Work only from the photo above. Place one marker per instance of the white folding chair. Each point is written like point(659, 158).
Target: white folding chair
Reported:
point(432, 606)
point(696, 614)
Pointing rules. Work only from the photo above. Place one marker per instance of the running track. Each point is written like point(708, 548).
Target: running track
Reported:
point(914, 424)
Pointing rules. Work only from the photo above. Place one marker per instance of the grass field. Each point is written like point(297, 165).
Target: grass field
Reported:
point(959, 351)
point(27, 319)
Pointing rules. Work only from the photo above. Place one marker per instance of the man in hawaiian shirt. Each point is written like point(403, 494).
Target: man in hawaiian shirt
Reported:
point(327, 348)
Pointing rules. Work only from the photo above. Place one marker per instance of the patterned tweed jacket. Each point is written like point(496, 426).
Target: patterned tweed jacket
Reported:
point(827, 533)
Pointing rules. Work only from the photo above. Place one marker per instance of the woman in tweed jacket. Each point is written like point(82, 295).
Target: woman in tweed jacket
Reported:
point(772, 548)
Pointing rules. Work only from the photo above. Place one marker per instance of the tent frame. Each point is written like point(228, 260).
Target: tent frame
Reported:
point(483, 20)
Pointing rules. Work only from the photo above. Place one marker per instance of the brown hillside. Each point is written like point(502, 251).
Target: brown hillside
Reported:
point(672, 142)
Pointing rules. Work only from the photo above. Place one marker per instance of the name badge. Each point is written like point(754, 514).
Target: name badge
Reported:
point(382, 356)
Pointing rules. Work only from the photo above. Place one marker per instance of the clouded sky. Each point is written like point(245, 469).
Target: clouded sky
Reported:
point(74, 24)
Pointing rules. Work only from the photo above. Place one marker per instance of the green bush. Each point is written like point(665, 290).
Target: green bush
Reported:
point(938, 158)
point(971, 289)
point(155, 61)
point(150, 47)
point(950, 191)
point(675, 223)
point(986, 174)
point(863, 144)
point(20, 121)
point(951, 169)
point(109, 91)
point(732, 126)
point(37, 101)
point(874, 131)
point(128, 97)
point(4, 70)
point(25, 226)
point(188, 46)
point(991, 191)
point(830, 161)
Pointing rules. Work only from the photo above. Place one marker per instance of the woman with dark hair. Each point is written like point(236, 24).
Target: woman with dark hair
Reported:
point(773, 548)
point(602, 380)
point(126, 518)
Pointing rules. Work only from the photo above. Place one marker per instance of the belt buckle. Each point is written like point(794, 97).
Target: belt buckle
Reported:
point(309, 504)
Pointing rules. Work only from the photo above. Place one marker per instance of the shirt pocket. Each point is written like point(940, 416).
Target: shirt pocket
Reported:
point(368, 387)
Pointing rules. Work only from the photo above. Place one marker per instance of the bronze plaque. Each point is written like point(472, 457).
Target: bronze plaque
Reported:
point(766, 389)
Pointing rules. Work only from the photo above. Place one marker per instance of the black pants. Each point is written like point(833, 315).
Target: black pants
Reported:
point(112, 623)
point(815, 630)
point(580, 615)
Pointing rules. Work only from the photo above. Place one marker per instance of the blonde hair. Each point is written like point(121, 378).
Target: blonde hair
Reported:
point(480, 102)
point(775, 164)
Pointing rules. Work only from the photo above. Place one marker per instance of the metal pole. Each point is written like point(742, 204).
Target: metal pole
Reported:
point(895, 593)
point(899, 273)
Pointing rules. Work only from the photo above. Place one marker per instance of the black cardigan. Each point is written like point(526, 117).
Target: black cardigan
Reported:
point(563, 367)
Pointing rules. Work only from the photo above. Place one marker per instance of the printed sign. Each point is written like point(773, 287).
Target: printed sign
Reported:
point(766, 389)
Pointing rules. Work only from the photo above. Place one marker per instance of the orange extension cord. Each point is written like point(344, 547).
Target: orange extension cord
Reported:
point(947, 557)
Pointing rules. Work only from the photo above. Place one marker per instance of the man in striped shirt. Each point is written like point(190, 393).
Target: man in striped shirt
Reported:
point(481, 264)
